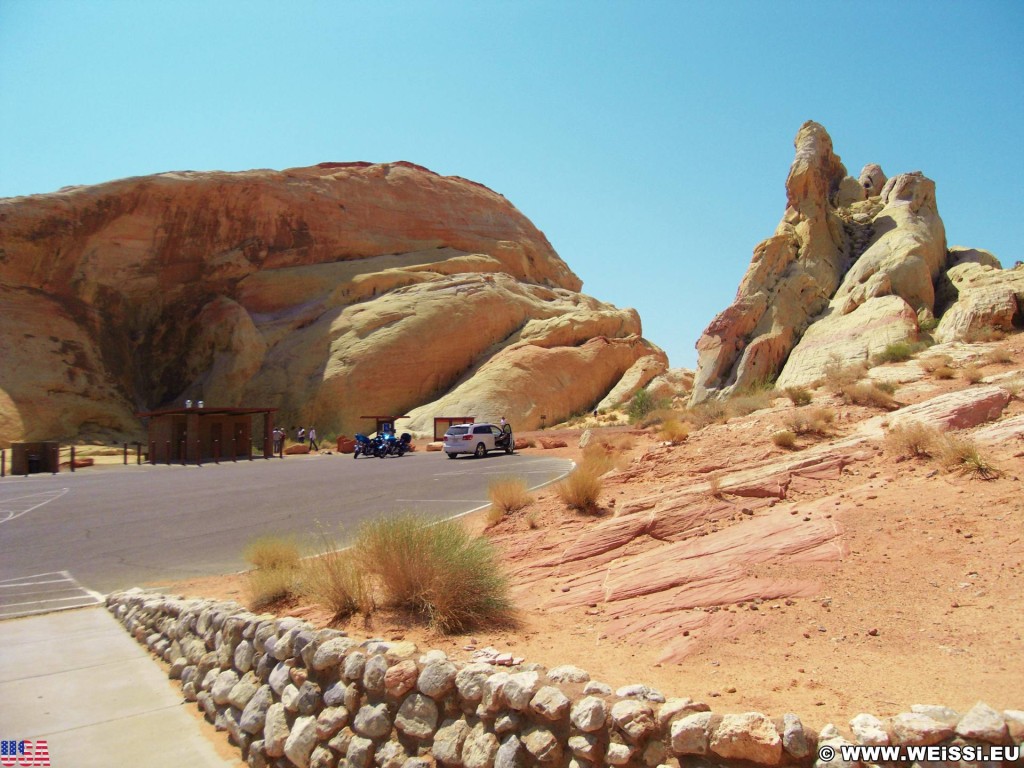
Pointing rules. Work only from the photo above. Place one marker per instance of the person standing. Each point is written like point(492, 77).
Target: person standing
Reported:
point(312, 439)
point(301, 436)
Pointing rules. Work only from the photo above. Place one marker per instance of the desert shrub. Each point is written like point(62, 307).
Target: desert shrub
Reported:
point(272, 552)
point(867, 394)
point(748, 402)
point(896, 352)
point(799, 395)
point(785, 439)
point(641, 405)
point(817, 420)
point(435, 570)
point(508, 494)
point(929, 324)
point(932, 363)
point(706, 413)
point(581, 490)
point(913, 439)
point(944, 372)
point(971, 373)
point(889, 387)
point(674, 431)
point(533, 520)
point(985, 333)
point(715, 485)
point(266, 586)
point(956, 452)
point(336, 581)
point(839, 375)
point(998, 356)
point(658, 416)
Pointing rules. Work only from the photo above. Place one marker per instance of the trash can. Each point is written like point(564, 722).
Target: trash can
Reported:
point(35, 464)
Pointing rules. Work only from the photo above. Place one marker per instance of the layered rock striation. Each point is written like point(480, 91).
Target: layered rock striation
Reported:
point(854, 265)
point(329, 292)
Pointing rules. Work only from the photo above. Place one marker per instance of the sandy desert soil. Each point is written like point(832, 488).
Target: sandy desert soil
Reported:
point(911, 595)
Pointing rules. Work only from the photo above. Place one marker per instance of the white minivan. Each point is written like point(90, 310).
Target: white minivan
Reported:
point(478, 439)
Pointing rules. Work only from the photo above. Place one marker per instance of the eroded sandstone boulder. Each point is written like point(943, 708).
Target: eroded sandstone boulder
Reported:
point(328, 292)
point(855, 265)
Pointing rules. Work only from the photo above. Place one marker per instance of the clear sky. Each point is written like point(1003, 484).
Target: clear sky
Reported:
point(648, 140)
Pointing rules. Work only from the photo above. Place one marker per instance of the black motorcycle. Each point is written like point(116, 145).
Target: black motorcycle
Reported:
point(389, 444)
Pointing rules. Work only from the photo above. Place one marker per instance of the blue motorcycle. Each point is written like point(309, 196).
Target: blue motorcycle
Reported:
point(364, 447)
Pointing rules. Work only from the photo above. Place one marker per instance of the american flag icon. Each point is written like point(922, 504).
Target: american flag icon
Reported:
point(22, 752)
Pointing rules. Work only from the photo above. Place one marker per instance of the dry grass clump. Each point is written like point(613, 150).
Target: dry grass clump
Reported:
point(896, 352)
point(437, 571)
point(869, 394)
point(785, 439)
point(817, 420)
point(799, 396)
point(509, 494)
point(839, 376)
point(581, 490)
point(272, 552)
point(944, 372)
point(961, 453)
point(971, 373)
point(932, 363)
point(746, 403)
point(336, 581)
point(983, 334)
point(913, 439)
point(276, 568)
point(533, 520)
point(998, 356)
point(707, 413)
point(674, 431)
point(715, 485)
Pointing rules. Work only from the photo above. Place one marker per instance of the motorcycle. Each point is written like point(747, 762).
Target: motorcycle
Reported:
point(364, 446)
point(389, 444)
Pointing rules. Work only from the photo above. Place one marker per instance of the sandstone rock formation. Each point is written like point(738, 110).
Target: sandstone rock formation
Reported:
point(330, 292)
point(854, 265)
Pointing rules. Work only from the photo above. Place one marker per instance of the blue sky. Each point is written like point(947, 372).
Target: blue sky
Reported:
point(650, 141)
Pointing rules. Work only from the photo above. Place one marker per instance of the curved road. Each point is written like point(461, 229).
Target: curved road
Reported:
point(65, 538)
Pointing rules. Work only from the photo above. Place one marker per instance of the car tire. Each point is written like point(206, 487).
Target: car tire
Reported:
point(452, 455)
point(481, 451)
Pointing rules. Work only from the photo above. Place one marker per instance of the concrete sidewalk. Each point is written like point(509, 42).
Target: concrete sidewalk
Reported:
point(78, 680)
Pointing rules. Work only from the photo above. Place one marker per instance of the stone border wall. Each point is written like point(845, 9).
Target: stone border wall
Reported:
point(291, 695)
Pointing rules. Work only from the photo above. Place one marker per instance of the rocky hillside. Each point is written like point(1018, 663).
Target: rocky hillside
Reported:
point(330, 292)
point(854, 266)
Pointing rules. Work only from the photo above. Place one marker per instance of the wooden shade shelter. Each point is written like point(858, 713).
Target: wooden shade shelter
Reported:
point(193, 435)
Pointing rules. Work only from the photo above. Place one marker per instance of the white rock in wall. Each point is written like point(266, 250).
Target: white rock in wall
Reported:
point(983, 723)
point(360, 752)
point(550, 703)
point(510, 754)
point(470, 681)
point(634, 719)
point(437, 678)
point(221, 688)
point(794, 738)
point(417, 717)
point(373, 722)
point(589, 714)
point(586, 746)
point(914, 729)
point(869, 730)
point(542, 744)
point(618, 754)
point(748, 736)
point(448, 742)
point(330, 721)
point(479, 749)
point(520, 689)
point(567, 673)
point(299, 745)
point(254, 716)
point(275, 730)
point(689, 735)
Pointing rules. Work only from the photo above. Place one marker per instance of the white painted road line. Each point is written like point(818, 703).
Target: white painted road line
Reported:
point(43, 593)
point(11, 509)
